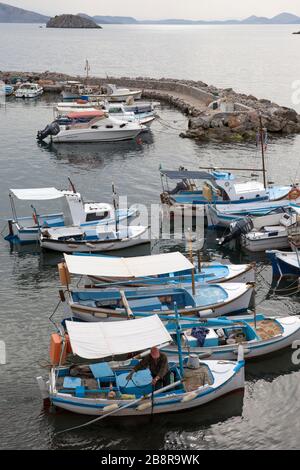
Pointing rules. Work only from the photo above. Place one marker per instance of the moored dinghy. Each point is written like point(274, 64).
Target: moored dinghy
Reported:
point(155, 270)
point(103, 389)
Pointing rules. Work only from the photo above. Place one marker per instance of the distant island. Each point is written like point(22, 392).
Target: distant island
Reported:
point(10, 14)
point(72, 21)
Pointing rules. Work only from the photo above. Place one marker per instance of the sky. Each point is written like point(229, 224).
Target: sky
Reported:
point(157, 9)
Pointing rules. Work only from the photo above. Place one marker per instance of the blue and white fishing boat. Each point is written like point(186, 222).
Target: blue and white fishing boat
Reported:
point(219, 188)
point(205, 301)
point(155, 270)
point(102, 389)
point(220, 338)
point(74, 211)
point(284, 262)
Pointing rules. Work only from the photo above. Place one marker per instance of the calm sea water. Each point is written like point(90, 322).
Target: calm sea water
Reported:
point(260, 60)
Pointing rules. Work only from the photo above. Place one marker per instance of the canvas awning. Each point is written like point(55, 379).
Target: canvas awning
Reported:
point(185, 174)
point(127, 268)
point(37, 194)
point(105, 339)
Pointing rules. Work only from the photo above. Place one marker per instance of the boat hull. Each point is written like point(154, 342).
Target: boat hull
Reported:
point(227, 379)
point(90, 135)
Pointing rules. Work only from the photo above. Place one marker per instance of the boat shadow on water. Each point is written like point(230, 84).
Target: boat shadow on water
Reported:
point(148, 432)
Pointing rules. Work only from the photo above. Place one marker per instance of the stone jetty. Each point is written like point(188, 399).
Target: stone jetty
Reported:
point(215, 114)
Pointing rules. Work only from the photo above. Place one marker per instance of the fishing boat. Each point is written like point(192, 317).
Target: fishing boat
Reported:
point(218, 188)
point(73, 211)
point(102, 389)
point(263, 233)
point(112, 92)
point(155, 270)
point(118, 111)
point(8, 90)
point(29, 90)
point(100, 129)
point(224, 215)
point(72, 90)
point(139, 108)
point(284, 262)
point(220, 338)
point(205, 301)
point(97, 238)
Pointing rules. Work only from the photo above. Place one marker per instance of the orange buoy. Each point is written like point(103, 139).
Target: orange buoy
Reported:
point(57, 356)
point(294, 194)
point(64, 275)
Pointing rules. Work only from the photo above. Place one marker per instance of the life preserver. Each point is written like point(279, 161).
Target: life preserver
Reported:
point(294, 194)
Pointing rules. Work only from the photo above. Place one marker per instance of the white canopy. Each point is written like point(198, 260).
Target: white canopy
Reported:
point(37, 194)
point(139, 266)
point(105, 339)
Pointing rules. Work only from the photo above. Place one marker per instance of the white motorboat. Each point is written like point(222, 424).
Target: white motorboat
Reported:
point(29, 90)
point(263, 233)
point(100, 238)
point(100, 129)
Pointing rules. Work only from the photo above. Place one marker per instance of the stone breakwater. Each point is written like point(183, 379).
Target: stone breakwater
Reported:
point(218, 114)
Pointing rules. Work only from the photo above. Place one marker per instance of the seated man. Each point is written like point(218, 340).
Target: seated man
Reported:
point(158, 364)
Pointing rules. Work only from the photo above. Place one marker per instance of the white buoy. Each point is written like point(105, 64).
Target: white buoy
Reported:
point(190, 396)
point(112, 407)
point(240, 353)
point(144, 406)
point(43, 388)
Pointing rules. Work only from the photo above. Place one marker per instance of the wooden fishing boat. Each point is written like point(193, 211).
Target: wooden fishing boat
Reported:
point(103, 389)
point(220, 338)
point(209, 300)
point(155, 270)
point(97, 238)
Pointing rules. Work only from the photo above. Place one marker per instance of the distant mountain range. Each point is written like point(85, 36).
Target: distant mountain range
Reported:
point(10, 14)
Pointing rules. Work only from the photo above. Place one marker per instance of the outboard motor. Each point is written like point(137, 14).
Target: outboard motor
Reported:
point(238, 228)
point(50, 129)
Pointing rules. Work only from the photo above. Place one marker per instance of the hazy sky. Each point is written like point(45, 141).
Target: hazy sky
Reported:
point(189, 9)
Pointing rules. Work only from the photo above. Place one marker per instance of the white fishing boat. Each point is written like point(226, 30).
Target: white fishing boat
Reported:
point(155, 270)
point(29, 90)
point(99, 238)
point(220, 338)
point(112, 92)
point(102, 389)
point(263, 233)
point(100, 129)
point(74, 211)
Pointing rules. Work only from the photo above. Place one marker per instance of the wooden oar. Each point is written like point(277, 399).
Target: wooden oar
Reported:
point(134, 402)
point(126, 304)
